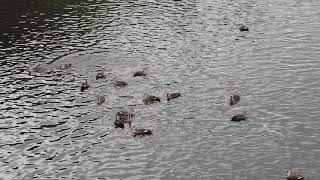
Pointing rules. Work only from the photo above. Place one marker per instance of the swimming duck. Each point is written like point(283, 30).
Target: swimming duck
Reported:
point(141, 132)
point(240, 117)
point(100, 100)
point(125, 117)
point(100, 75)
point(120, 83)
point(172, 96)
point(292, 175)
point(35, 70)
point(139, 73)
point(243, 28)
point(234, 99)
point(119, 124)
point(65, 66)
point(151, 99)
point(85, 85)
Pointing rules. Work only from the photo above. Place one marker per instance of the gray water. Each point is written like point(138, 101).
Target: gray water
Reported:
point(51, 130)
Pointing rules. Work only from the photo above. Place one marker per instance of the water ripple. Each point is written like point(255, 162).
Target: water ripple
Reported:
point(52, 130)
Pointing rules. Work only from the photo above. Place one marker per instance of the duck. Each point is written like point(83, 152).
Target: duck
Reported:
point(65, 66)
point(35, 70)
point(120, 83)
point(172, 96)
point(243, 28)
point(141, 132)
point(292, 175)
point(118, 124)
point(125, 117)
point(100, 100)
point(151, 99)
point(100, 75)
point(240, 117)
point(85, 85)
point(139, 73)
point(234, 99)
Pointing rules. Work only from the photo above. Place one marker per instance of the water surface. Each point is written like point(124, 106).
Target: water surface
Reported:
point(52, 130)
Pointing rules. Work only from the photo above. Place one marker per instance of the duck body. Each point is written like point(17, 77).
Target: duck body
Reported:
point(120, 83)
point(124, 114)
point(240, 117)
point(234, 99)
point(292, 175)
point(151, 99)
point(243, 28)
point(65, 66)
point(172, 96)
point(100, 100)
point(35, 70)
point(139, 73)
point(85, 86)
point(141, 132)
point(125, 117)
point(119, 124)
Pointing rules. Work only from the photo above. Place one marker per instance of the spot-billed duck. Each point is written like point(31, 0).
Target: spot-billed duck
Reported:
point(172, 96)
point(139, 73)
point(100, 100)
point(35, 70)
point(100, 75)
point(240, 117)
point(234, 99)
point(141, 132)
point(151, 99)
point(85, 85)
point(292, 175)
point(119, 124)
point(243, 28)
point(65, 66)
point(125, 117)
point(120, 83)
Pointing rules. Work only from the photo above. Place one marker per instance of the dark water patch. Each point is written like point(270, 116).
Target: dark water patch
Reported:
point(81, 135)
point(51, 158)
point(14, 144)
point(24, 116)
point(49, 125)
point(22, 122)
point(76, 130)
point(32, 148)
point(63, 129)
point(29, 139)
point(61, 137)
point(90, 120)
point(8, 127)
point(9, 108)
point(27, 132)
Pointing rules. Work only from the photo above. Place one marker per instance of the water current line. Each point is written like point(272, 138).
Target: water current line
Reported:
point(272, 131)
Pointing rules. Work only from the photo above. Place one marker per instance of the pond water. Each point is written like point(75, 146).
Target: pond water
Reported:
point(51, 130)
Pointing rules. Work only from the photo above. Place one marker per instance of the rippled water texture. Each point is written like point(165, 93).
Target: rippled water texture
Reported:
point(51, 130)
